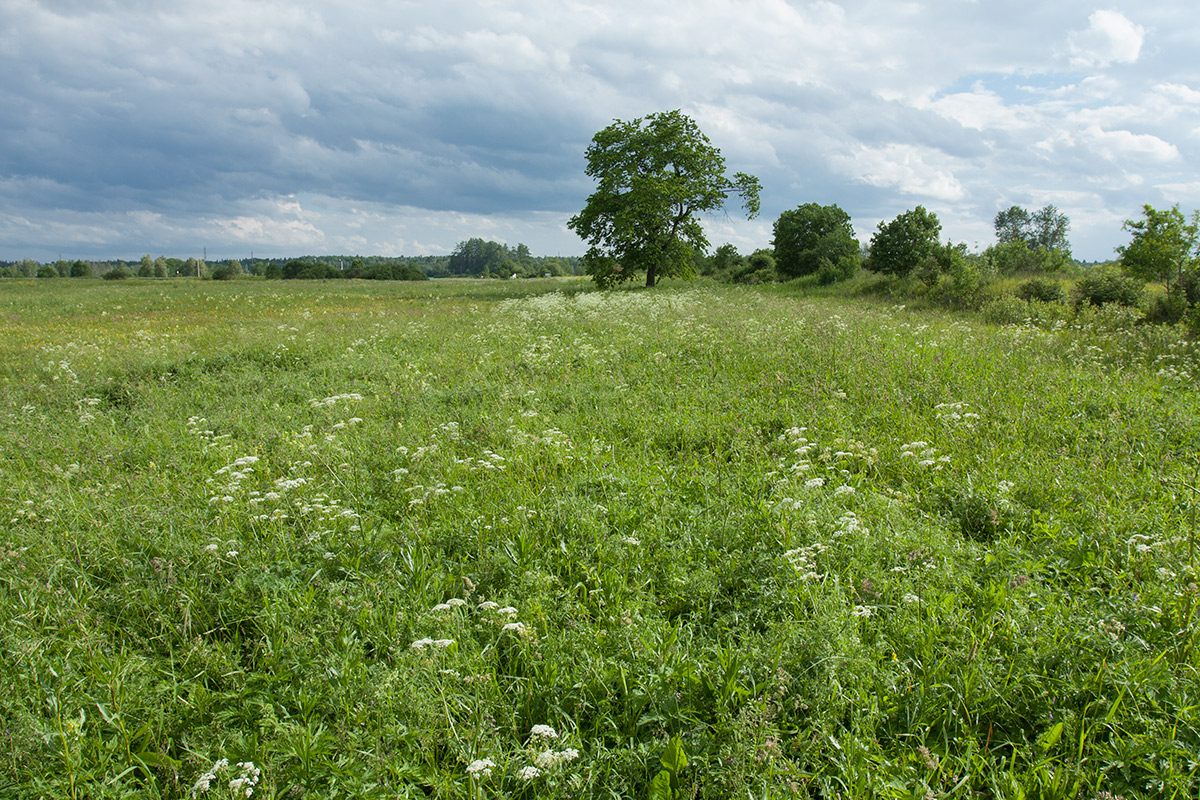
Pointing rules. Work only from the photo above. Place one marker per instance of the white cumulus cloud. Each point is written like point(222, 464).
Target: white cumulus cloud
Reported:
point(1110, 37)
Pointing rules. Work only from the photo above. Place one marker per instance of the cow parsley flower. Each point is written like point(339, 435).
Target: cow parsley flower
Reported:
point(528, 773)
point(481, 767)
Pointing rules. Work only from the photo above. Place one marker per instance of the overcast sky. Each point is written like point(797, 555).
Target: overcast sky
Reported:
point(402, 128)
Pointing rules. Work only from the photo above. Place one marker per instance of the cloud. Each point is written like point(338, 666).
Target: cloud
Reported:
point(1110, 37)
point(133, 126)
point(905, 168)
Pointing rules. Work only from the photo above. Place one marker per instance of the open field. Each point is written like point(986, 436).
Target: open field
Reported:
point(367, 536)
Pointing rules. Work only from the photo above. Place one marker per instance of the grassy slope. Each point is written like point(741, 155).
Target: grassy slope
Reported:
point(231, 510)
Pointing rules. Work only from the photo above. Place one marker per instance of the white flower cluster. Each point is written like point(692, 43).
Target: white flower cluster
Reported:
point(925, 456)
point(247, 778)
point(439, 644)
point(481, 767)
point(549, 759)
point(956, 414)
point(334, 400)
point(849, 524)
point(804, 561)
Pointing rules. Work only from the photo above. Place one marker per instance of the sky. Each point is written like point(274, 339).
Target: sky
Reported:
point(236, 127)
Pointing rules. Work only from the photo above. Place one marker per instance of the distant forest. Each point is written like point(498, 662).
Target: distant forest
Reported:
point(471, 258)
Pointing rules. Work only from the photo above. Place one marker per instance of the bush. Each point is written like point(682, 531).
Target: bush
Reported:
point(302, 270)
point(225, 272)
point(118, 274)
point(1007, 310)
point(843, 269)
point(47, 271)
point(758, 268)
point(81, 269)
point(1167, 309)
point(960, 282)
point(1107, 288)
point(1041, 289)
point(273, 272)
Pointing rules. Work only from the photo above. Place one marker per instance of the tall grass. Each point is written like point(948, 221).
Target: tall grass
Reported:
point(476, 539)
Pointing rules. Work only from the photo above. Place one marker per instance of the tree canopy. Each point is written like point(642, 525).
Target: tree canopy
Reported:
point(1043, 230)
point(1163, 244)
point(901, 246)
point(811, 235)
point(655, 174)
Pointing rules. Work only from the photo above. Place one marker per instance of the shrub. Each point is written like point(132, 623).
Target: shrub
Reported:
point(1107, 287)
point(225, 272)
point(1041, 289)
point(1007, 310)
point(960, 284)
point(118, 274)
point(758, 268)
point(273, 272)
point(81, 269)
point(1167, 309)
point(843, 269)
point(47, 271)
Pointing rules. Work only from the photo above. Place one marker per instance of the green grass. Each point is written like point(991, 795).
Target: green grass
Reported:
point(836, 548)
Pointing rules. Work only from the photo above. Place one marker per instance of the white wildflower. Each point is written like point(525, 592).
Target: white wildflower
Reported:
point(481, 768)
point(862, 611)
point(545, 731)
point(911, 598)
point(842, 490)
point(548, 759)
point(515, 627)
point(441, 607)
point(488, 605)
point(508, 610)
point(421, 644)
point(813, 483)
point(456, 601)
point(528, 773)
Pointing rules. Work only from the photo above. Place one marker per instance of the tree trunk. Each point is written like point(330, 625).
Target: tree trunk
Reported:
point(650, 274)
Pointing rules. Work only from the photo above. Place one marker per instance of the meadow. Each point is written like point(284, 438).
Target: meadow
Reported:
point(474, 539)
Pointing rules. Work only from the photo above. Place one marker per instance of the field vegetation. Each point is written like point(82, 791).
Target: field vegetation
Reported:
point(470, 539)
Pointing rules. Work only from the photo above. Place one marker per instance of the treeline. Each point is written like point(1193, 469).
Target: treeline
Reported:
point(478, 258)
point(816, 244)
point(471, 258)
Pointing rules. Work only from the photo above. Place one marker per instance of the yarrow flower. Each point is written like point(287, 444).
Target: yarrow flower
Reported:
point(528, 773)
point(515, 627)
point(481, 768)
point(488, 605)
point(545, 731)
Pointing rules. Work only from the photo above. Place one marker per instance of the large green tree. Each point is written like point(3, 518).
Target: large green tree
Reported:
point(901, 246)
point(1163, 244)
point(811, 235)
point(654, 175)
